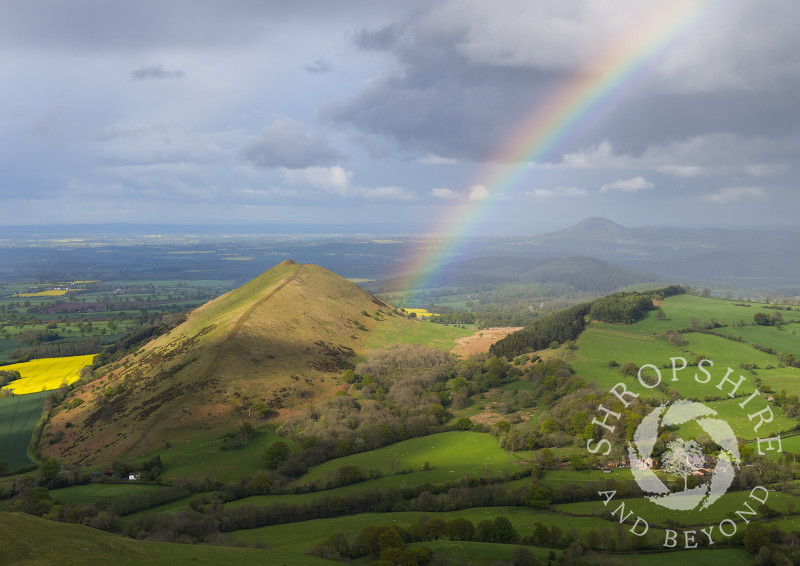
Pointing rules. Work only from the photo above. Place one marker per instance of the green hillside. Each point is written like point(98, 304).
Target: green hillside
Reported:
point(30, 541)
point(254, 354)
point(18, 418)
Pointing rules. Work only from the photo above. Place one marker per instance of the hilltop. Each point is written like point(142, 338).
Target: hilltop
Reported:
point(255, 353)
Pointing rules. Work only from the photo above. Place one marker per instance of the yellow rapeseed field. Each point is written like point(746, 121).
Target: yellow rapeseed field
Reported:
point(47, 373)
point(49, 293)
point(421, 312)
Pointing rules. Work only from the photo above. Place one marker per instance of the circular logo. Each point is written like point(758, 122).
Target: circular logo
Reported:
point(684, 458)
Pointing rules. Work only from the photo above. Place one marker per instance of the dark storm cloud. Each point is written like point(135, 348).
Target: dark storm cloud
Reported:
point(155, 72)
point(457, 89)
point(285, 143)
point(436, 101)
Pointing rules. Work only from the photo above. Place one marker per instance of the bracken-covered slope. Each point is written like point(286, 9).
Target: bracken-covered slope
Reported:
point(276, 342)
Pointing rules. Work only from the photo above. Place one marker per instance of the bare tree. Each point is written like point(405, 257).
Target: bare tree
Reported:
point(683, 457)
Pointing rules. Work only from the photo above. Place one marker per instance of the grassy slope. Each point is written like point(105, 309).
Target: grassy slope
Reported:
point(450, 455)
point(181, 459)
point(32, 541)
point(460, 552)
point(18, 417)
point(300, 536)
point(643, 343)
point(98, 492)
point(681, 309)
point(656, 515)
point(398, 330)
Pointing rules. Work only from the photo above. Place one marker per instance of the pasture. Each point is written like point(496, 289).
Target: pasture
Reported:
point(303, 535)
point(681, 309)
point(738, 418)
point(105, 492)
point(31, 540)
point(465, 552)
point(782, 340)
point(18, 418)
point(47, 373)
point(391, 331)
point(182, 457)
point(656, 515)
point(449, 455)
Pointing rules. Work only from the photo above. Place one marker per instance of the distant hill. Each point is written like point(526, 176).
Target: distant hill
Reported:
point(260, 350)
point(731, 259)
point(569, 274)
point(595, 227)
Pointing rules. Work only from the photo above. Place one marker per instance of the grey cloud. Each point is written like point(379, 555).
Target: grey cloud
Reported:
point(149, 24)
point(452, 92)
point(285, 143)
point(436, 101)
point(381, 39)
point(318, 67)
point(155, 72)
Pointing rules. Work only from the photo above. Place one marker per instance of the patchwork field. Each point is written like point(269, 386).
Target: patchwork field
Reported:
point(48, 293)
point(47, 373)
point(468, 473)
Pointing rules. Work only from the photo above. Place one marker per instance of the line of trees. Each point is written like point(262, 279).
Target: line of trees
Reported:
point(567, 324)
point(558, 327)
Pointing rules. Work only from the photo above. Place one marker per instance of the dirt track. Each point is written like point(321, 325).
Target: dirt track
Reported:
point(481, 340)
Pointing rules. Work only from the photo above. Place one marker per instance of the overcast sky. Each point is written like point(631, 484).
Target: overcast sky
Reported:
point(355, 113)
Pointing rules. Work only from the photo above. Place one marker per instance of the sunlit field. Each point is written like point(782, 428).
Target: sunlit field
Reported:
point(47, 373)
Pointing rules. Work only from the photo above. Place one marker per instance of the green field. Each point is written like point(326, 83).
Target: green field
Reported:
point(462, 552)
point(702, 556)
point(739, 419)
point(466, 552)
point(18, 418)
point(449, 454)
point(783, 340)
point(202, 456)
point(641, 343)
point(433, 335)
point(299, 536)
point(105, 492)
point(30, 541)
point(657, 515)
point(681, 309)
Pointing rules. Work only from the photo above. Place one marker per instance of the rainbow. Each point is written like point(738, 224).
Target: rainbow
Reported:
point(570, 110)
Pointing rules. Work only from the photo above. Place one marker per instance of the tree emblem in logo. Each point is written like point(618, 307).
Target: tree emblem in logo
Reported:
point(683, 457)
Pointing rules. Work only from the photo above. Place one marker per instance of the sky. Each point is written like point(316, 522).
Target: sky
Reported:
point(369, 115)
